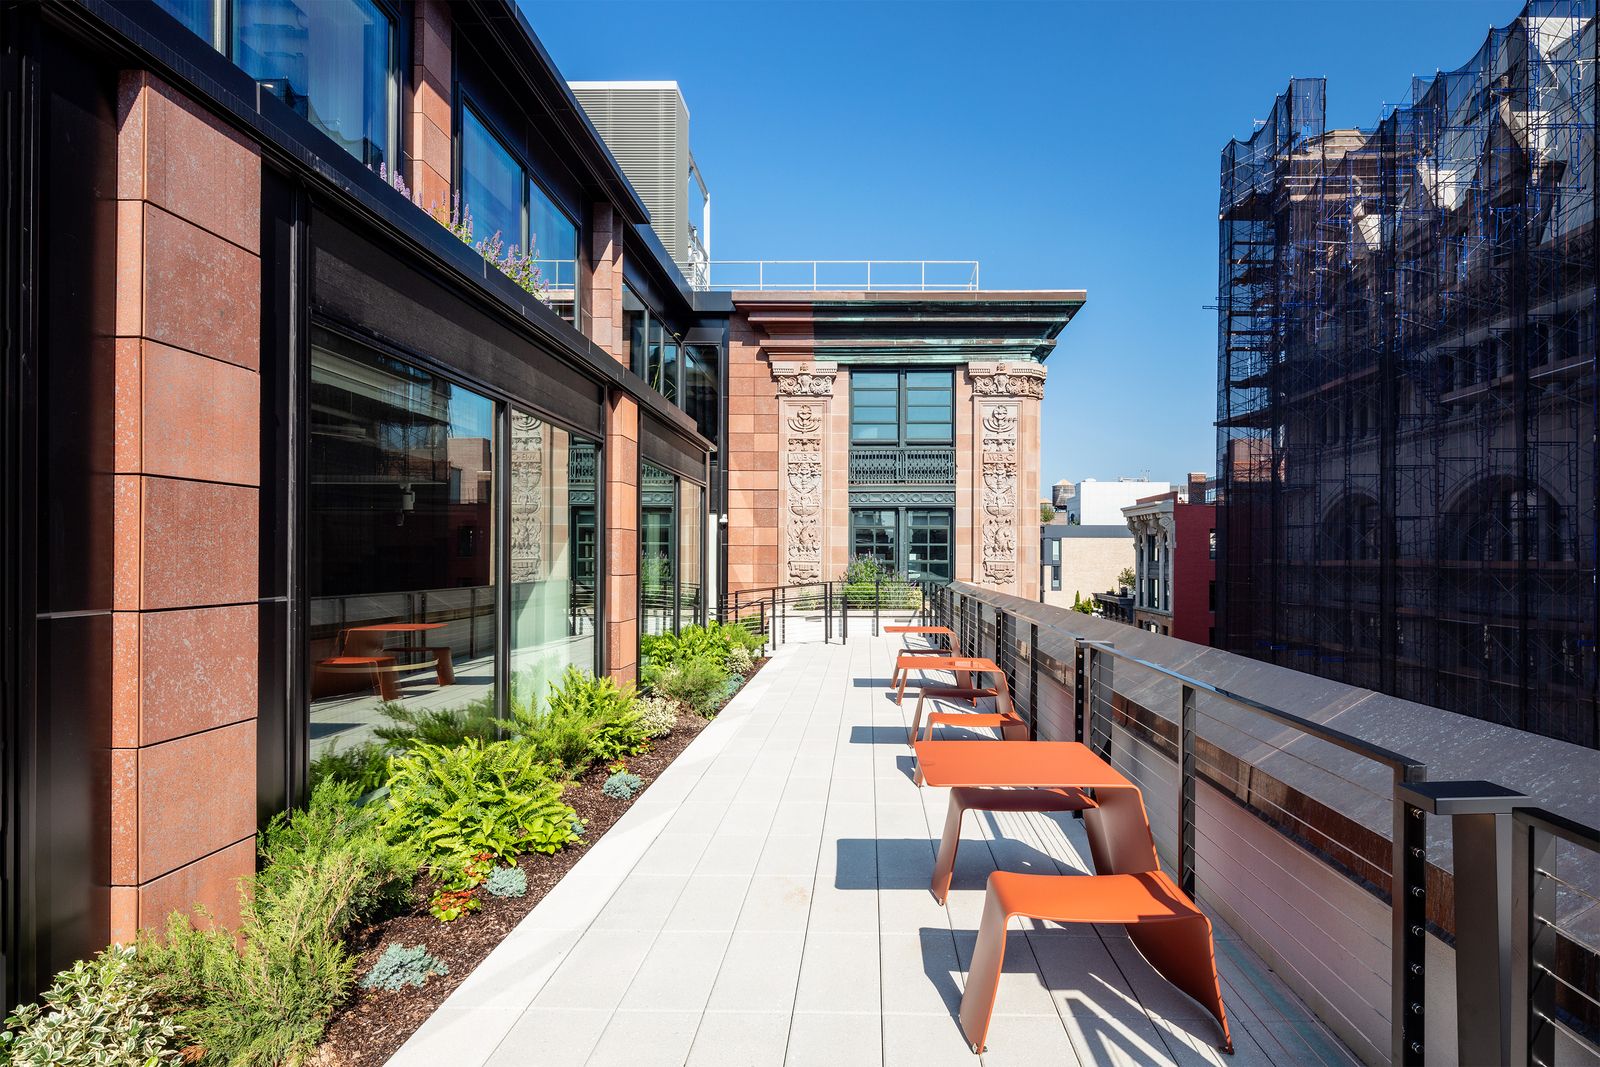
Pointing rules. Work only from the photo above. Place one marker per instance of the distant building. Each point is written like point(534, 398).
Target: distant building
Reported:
point(1175, 566)
point(1061, 495)
point(1097, 503)
point(645, 124)
point(1081, 561)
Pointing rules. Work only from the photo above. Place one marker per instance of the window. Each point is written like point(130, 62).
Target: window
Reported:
point(902, 407)
point(928, 543)
point(691, 554)
point(636, 326)
point(1211, 540)
point(700, 387)
point(658, 550)
point(872, 533)
point(553, 238)
point(1055, 579)
point(930, 407)
point(196, 15)
point(491, 184)
point(551, 555)
point(503, 198)
point(875, 407)
point(331, 61)
point(400, 503)
point(1055, 550)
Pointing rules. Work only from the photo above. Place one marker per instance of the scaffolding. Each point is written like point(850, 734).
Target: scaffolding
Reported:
point(1407, 388)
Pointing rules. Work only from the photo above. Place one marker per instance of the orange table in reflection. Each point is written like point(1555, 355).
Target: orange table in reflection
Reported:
point(362, 649)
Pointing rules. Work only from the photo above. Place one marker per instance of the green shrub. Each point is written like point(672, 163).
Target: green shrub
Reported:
point(586, 719)
point(440, 726)
point(507, 882)
point(622, 786)
point(715, 641)
point(453, 804)
point(295, 844)
point(657, 716)
point(365, 766)
point(698, 684)
point(96, 1014)
point(403, 965)
point(263, 995)
point(740, 661)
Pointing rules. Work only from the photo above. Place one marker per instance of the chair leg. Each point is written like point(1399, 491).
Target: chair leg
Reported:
point(983, 977)
point(916, 721)
point(1184, 953)
point(444, 667)
point(945, 865)
point(388, 687)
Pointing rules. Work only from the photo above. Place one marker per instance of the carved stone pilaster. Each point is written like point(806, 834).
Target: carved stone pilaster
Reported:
point(804, 391)
point(999, 391)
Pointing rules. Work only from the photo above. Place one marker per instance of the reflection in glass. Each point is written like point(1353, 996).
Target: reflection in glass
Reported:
point(658, 499)
point(196, 15)
point(553, 236)
point(691, 555)
point(636, 325)
point(700, 387)
point(400, 550)
point(491, 184)
point(552, 555)
point(329, 60)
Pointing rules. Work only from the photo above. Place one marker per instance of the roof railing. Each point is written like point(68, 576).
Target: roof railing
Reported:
point(845, 275)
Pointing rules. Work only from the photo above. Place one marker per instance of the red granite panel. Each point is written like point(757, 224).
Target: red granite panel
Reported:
point(197, 795)
point(201, 417)
point(174, 154)
point(199, 544)
point(197, 670)
point(211, 883)
point(124, 829)
point(220, 318)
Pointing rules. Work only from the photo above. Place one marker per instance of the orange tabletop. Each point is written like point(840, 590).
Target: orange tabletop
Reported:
point(399, 627)
point(961, 664)
point(944, 630)
point(1036, 764)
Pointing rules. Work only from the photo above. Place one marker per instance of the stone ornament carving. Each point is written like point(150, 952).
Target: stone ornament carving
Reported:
point(804, 379)
point(527, 486)
point(1007, 379)
point(803, 481)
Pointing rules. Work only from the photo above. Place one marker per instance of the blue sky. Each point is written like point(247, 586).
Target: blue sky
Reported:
point(1062, 145)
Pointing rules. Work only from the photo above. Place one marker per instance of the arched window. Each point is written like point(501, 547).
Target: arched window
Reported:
point(1497, 521)
point(1352, 530)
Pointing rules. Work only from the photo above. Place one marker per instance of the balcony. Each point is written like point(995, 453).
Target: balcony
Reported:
point(873, 466)
point(766, 901)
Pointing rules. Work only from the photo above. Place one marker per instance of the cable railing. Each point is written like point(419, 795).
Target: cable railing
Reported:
point(1525, 979)
point(845, 275)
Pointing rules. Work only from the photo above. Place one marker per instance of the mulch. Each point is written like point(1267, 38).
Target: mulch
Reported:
point(372, 1026)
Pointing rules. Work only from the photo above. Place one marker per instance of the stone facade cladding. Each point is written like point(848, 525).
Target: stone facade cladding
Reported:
point(187, 455)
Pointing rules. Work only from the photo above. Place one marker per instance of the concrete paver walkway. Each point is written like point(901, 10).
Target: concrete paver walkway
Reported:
point(766, 902)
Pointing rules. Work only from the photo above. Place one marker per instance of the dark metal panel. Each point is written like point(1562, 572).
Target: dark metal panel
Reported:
point(356, 282)
point(670, 450)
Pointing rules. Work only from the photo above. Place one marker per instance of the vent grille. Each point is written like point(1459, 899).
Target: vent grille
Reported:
point(647, 130)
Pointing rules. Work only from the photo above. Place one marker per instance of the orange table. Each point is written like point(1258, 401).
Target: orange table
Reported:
point(965, 666)
point(368, 641)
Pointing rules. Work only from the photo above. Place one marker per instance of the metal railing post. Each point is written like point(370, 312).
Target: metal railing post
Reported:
point(762, 605)
point(877, 605)
point(1533, 940)
point(1186, 771)
point(1080, 686)
point(783, 611)
point(827, 613)
point(1481, 832)
point(1408, 903)
point(1033, 681)
point(844, 612)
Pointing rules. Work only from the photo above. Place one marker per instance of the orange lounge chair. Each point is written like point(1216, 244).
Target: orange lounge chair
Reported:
point(1165, 925)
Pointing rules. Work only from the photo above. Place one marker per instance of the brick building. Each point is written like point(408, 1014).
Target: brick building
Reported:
point(1175, 565)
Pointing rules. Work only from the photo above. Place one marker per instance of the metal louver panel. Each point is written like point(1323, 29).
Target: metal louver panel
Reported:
point(646, 126)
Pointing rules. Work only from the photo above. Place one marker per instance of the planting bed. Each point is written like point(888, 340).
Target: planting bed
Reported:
point(373, 1025)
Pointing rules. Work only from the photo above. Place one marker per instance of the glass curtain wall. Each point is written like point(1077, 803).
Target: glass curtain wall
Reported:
point(691, 555)
point(400, 559)
point(552, 555)
point(658, 550)
point(331, 61)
